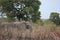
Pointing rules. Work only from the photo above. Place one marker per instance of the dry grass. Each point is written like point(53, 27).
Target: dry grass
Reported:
point(14, 32)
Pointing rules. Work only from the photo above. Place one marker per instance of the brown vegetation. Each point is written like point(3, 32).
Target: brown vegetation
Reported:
point(13, 31)
point(57, 33)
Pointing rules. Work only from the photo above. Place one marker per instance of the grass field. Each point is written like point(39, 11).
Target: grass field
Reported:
point(17, 31)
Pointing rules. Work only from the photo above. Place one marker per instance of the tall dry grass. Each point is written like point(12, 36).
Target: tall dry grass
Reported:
point(15, 32)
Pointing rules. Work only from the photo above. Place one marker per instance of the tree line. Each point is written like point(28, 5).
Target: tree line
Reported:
point(25, 10)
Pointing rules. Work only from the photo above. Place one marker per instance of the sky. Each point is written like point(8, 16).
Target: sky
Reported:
point(48, 6)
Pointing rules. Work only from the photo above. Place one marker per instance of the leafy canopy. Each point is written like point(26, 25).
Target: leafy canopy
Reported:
point(22, 9)
point(54, 17)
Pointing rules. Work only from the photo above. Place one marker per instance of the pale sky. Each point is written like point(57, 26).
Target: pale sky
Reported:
point(48, 6)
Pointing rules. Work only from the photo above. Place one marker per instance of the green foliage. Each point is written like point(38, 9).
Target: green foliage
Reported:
point(54, 17)
point(22, 9)
point(36, 16)
point(9, 19)
point(48, 21)
point(40, 22)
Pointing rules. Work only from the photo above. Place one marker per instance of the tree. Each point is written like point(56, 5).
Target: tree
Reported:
point(36, 16)
point(22, 9)
point(54, 17)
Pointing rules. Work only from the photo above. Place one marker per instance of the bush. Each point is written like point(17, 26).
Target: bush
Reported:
point(39, 22)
